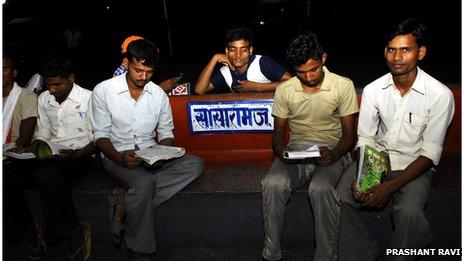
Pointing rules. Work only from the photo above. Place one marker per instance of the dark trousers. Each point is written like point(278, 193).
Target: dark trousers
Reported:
point(53, 179)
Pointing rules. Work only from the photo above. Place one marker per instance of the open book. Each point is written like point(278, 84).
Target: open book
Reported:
point(373, 165)
point(43, 148)
point(302, 154)
point(24, 155)
point(160, 152)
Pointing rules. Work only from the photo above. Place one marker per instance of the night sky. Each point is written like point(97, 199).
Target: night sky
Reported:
point(353, 32)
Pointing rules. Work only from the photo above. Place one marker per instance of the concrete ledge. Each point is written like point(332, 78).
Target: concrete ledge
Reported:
point(234, 220)
point(247, 176)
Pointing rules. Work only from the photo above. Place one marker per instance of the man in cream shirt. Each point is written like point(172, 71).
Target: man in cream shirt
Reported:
point(319, 108)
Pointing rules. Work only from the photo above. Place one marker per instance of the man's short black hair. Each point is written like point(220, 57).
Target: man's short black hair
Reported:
point(303, 47)
point(56, 64)
point(409, 26)
point(236, 34)
point(14, 53)
point(143, 51)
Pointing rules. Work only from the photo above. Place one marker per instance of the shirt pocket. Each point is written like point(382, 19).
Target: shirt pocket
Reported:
point(76, 122)
point(413, 127)
point(148, 122)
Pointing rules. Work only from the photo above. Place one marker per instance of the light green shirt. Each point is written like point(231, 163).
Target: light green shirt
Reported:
point(315, 117)
point(26, 107)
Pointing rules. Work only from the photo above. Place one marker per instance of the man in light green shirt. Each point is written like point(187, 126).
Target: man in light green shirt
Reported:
point(319, 108)
point(19, 106)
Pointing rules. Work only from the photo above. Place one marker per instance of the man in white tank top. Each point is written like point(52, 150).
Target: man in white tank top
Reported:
point(242, 71)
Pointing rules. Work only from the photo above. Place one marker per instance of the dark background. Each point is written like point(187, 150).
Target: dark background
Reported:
point(353, 32)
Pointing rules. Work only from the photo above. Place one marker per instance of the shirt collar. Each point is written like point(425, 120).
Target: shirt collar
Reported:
point(252, 58)
point(72, 96)
point(326, 82)
point(417, 85)
point(123, 87)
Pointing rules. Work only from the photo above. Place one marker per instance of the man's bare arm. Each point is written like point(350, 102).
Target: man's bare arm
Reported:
point(167, 142)
point(26, 132)
point(126, 158)
point(250, 86)
point(204, 80)
point(278, 137)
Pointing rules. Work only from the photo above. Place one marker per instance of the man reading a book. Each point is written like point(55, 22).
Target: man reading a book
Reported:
point(19, 105)
point(19, 121)
point(63, 120)
point(405, 113)
point(129, 113)
point(319, 108)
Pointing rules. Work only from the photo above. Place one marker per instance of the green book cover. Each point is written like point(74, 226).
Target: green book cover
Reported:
point(44, 149)
point(373, 166)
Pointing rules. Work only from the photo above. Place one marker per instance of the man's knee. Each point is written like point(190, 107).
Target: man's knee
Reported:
point(318, 187)
point(275, 182)
point(407, 214)
point(344, 185)
point(143, 188)
point(197, 165)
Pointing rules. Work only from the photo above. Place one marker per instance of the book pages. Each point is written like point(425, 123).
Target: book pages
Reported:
point(160, 152)
point(302, 154)
point(25, 155)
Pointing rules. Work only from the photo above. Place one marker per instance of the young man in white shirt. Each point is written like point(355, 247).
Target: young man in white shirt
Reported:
point(406, 113)
point(129, 112)
point(63, 119)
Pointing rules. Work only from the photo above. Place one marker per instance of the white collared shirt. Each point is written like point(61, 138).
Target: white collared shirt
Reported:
point(66, 123)
point(406, 126)
point(127, 122)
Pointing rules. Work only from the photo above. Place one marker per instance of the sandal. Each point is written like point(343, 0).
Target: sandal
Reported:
point(117, 227)
point(83, 252)
point(38, 251)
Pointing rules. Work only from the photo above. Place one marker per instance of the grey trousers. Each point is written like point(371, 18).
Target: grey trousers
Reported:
point(146, 191)
point(282, 179)
point(412, 229)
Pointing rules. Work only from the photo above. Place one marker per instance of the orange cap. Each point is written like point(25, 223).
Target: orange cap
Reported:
point(127, 41)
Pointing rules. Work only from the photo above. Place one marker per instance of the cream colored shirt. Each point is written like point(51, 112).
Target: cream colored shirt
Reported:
point(406, 126)
point(315, 117)
point(67, 123)
point(26, 107)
